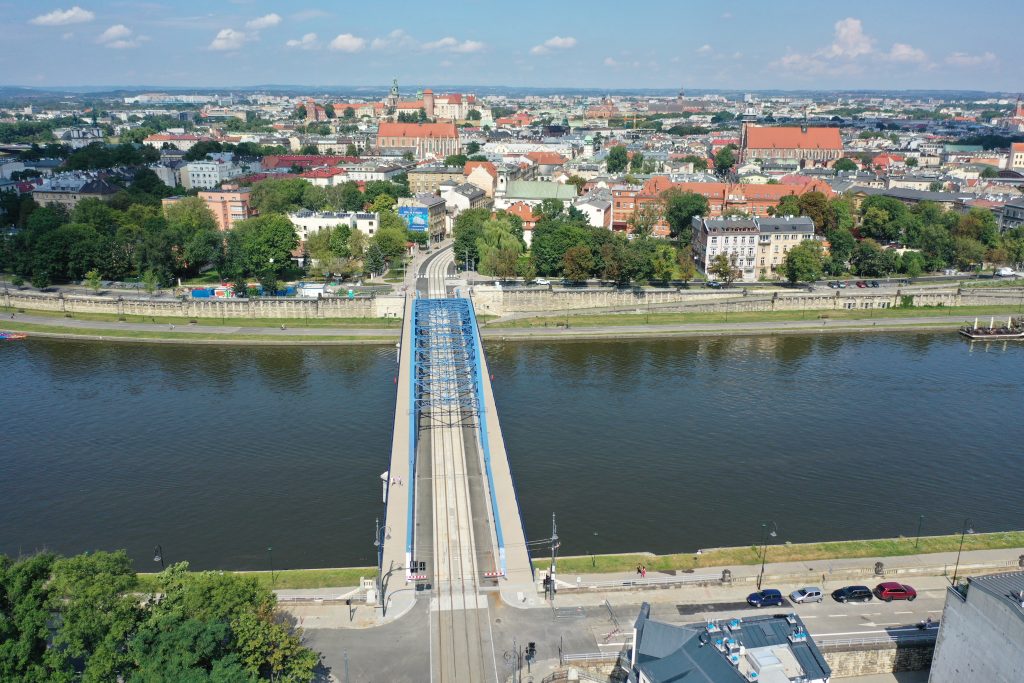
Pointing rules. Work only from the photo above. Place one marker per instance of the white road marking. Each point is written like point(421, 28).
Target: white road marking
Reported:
point(837, 615)
point(857, 633)
point(902, 612)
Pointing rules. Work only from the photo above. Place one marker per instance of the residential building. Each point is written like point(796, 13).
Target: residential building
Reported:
point(325, 177)
point(428, 179)
point(79, 136)
point(370, 170)
point(982, 631)
point(756, 246)
point(774, 649)
point(533, 192)
point(423, 139)
point(424, 212)
point(1012, 215)
point(807, 144)
point(597, 209)
point(459, 198)
point(483, 174)
point(208, 174)
point(229, 204)
point(67, 191)
point(947, 200)
point(1016, 160)
point(181, 141)
point(273, 162)
point(307, 222)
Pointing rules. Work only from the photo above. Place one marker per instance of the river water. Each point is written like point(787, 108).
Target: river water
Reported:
point(217, 454)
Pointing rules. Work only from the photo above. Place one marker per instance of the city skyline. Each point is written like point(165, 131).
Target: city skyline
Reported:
point(914, 45)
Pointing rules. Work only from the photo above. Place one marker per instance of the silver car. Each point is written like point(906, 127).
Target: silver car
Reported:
point(806, 594)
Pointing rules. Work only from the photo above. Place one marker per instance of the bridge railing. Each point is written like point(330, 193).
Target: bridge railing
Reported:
point(684, 579)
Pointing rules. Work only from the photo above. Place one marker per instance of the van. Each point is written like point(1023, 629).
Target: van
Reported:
point(1005, 272)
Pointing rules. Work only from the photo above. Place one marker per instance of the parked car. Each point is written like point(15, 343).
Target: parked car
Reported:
point(541, 281)
point(875, 283)
point(861, 284)
point(806, 594)
point(714, 284)
point(834, 285)
point(765, 598)
point(890, 590)
point(842, 285)
point(852, 594)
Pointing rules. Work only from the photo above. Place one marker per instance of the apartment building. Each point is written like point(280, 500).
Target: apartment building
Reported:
point(307, 222)
point(756, 246)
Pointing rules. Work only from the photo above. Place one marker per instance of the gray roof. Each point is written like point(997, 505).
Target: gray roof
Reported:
point(428, 199)
point(446, 170)
point(913, 195)
point(470, 190)
point(666, 653)
point(1008, 587)
point(786, 224)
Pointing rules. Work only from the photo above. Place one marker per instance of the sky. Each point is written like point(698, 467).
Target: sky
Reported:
point(697, 44)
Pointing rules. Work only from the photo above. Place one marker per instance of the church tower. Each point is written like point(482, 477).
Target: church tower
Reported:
point(392, 100)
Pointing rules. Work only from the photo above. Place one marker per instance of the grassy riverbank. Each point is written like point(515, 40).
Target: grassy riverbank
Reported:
point(674, 318)
point(182, 321)
point(114, 334)
point(714, 557)
point(792, 552)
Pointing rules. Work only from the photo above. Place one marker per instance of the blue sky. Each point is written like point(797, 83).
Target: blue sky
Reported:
point(657, 43)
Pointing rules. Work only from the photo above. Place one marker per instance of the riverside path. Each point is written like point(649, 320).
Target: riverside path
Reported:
point(452, 529)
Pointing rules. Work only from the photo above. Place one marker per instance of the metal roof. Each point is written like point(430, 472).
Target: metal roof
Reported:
point(1009, 587)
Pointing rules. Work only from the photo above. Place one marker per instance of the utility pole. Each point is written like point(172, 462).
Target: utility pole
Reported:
point(554, 548)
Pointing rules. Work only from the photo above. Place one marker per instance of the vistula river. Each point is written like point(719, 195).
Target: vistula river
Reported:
point(217, 454)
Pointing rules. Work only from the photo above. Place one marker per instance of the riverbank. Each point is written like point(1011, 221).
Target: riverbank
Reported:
point(579, 327)
point(870, 550)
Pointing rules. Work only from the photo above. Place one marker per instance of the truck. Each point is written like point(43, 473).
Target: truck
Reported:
point(1005, 272)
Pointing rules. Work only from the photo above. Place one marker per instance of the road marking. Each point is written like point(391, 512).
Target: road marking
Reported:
point(934, 611)
point(902, 612)
point(837, 615)
point(856, 633)
point(809, 617)
point(888, 623)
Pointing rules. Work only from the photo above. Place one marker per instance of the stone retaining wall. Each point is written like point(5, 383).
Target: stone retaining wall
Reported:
point(864, 660)
point(283, 308)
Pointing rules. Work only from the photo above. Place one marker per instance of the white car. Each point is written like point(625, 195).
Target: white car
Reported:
point(806, 594)
point(541, 281)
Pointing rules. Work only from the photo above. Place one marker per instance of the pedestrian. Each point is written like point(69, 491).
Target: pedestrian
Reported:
point(643, 572)
point(639, 571)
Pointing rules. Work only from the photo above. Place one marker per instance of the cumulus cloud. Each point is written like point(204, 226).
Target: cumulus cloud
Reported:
point(449, 44)
point(306, 42)
point(965, 59)
point(266, 21)
point(120, 37)
point(704, 49)
point(346, 42)
point(228, 39)
point(113, 33)
point(901, 52)
point(397, 39)
point(553, 43)
point(850, 40)
point(63, 17)
point(840, 57)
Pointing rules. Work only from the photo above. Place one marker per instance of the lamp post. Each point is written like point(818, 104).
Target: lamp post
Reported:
point(920, 521)
point(380, 553)
point(770, 529)
point(158, 556)
point(270, 558)
point(964, 530)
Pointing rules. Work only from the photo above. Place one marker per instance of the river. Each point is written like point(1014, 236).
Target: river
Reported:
point(217, 454)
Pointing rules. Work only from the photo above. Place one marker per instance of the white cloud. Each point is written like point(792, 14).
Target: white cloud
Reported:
point(608, 61)
point(965, 59)
point(266, 21)
point(901, 52)
point(228, 39)
point(63, 17)
point(306, 42)
point(397, 39)
point(449, 44)
point(553, 43)
point(704, 49)
point(126, 44)
point(114, 33)
point(346, 42)
point(850, 40)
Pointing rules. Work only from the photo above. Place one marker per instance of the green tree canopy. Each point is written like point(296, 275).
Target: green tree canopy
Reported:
point(804, 262)
point(680, 209)
point(617, 159)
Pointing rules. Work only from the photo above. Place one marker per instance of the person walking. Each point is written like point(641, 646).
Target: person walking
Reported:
point(639, 571)
point(643, 572)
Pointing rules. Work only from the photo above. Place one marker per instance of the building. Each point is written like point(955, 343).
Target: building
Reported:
point(459, 198)
point(483, 174)
point(422, 139)
point(424, 213)
point(79, 136)
point(756, 246)
point(982, 631)
point(208, 174)
point(773, 649)
point(325, 177)
point(428, 179)
point(597, 209)
point(181, 141)
point(228, 205)
point(533, 192)
point(1016, 160)
point(1012, 215)
point(307, 222)
point(807, 144)
point(67, 191)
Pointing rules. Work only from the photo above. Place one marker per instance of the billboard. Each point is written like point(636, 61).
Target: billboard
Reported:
point(416, 217)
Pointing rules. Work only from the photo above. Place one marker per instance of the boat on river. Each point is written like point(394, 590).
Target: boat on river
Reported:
point(1013, 329)
point(12, 335)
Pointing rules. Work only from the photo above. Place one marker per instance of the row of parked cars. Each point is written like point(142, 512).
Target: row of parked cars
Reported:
point(886, 592)
point(861, 284)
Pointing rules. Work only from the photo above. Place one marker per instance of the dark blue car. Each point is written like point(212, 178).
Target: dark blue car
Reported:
point(768, 597)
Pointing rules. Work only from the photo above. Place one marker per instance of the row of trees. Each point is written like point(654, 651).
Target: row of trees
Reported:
point(87, 618)
point(291, 194)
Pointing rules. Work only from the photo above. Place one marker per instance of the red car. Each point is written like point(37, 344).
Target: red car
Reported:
point(890, 590)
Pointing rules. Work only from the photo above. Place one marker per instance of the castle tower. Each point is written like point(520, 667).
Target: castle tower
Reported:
point(428, 103)
point(392, 100)
point(1020, 109)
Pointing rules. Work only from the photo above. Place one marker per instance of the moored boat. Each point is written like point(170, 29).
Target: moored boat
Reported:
point(12, 335)
point(1013, 329)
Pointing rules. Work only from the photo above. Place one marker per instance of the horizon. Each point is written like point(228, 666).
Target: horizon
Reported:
point(913, 46)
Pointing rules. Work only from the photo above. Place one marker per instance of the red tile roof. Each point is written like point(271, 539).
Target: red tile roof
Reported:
point(417, 130)
point(524, 211)
point(546, 158)
point(792, 137)
point(486, 165)
point(1017, 147)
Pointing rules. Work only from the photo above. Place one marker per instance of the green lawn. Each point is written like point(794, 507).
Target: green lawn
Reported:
point(363, 323)
point(17, 326)
point(672, 318)
point(294, 578)
point(721, 557)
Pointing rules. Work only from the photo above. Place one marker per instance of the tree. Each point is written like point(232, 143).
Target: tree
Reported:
point(723, 267)
point(468, 229)
point(803, 263)
point(871, 260)
point(845, 164)
point(473, 115)
point(93, 280)
point(151, 281)
point(680, 208)
point(911, 162)
point(724, 160)
point(968, 253)
point(663, 262)
point(472, 147)
point(644, 218)
point(990, 172)
point(699, 163)
point(261, 247)
point(278, 195)
point(499, 249)
point(816, 206)
point(578, 263)
point(722, 117)
point(455, 160)
point(636, 164)
point(24, 618)
point(687, 266)
point(578, 181)
point(617, 159)
point(912, 263)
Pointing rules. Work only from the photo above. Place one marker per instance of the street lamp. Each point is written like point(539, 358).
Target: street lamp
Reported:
point(770, 529)
point(380, 554)
point(270, 557)
point(920, 521)
point(158, 556)
point(966, 529)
